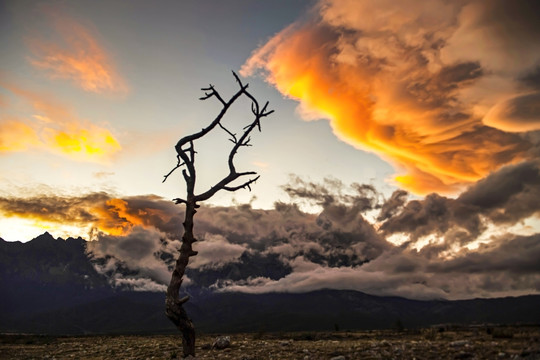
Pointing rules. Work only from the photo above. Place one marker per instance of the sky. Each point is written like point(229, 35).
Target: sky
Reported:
point(402, 157)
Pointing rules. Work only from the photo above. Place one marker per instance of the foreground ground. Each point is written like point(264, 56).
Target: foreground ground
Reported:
point(436, 343)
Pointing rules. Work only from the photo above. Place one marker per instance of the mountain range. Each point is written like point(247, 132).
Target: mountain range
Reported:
point(51, 286)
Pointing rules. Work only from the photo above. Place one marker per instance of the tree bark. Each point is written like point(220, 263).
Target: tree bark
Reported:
point(174, 305)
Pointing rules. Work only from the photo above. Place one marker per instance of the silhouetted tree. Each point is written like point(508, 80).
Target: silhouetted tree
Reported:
point(185, 149)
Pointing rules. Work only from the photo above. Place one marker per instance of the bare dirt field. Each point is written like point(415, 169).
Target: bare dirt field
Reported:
point(435, 343)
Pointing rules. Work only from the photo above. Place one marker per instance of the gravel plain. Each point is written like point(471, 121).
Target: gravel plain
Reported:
point(434, 343)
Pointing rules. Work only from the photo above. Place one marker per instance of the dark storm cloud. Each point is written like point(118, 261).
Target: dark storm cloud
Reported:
point(434, 214)
point(507, 196)
point(362, 197)
point(497, 189)
point(53, 208)
point(495, 269)
point(391, 206)
point(287, 249)
point(514, 254)
point(233, 240)
point(531, 79)
point(337, 236)
point(340, 249)
point(236, 243)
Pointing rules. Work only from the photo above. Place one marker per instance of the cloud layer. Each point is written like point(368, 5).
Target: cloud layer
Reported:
point(440, 89)
point(437, 247)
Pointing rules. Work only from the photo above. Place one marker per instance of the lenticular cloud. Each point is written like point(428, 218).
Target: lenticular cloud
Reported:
point(443, 90)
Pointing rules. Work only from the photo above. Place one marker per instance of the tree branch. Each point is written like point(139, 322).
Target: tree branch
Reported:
point(178, 165)
point(219, 117)
point(209, 92)
point(233, 136)
point(243, 186)
point(186, 155)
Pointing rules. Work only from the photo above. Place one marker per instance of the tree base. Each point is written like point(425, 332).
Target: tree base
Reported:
point(176, 313)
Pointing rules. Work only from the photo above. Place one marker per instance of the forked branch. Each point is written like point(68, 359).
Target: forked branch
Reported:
point(186, 153)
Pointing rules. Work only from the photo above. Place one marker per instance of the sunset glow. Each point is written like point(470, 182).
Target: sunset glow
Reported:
point(82, 144)
point(17, 136)
point(402, 159)
point(52, 126)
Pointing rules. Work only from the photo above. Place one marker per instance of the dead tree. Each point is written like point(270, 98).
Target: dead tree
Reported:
point(185, 149)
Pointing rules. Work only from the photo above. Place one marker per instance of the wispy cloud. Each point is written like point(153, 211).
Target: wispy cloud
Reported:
point(103, 174)
point(77, 55)
point(56, 128)
point(437, 88)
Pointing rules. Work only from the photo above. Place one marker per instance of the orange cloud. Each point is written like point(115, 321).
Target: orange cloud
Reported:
point(94, 213)
point(56, 129)
point(88, 144)
point(115, 217)
point(17, 136)
point(77, 55)
point(380, 74)
point(517, 114)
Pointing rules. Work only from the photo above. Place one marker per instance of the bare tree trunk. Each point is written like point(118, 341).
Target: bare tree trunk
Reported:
point(174, 309)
